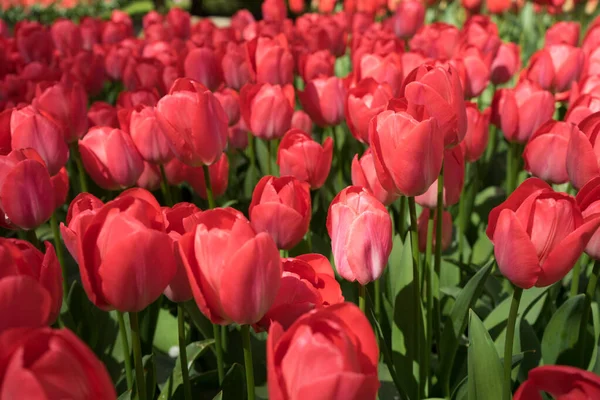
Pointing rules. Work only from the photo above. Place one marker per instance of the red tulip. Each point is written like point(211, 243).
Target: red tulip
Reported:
point(360, 228)
point(481, 32)
point(454, 178)
point(219, 177)
point(30, 285)
point(237, 69)
point(386, 69)
point(561, 381)
point(423, 229)
point(234, 272)
point(436, 92)
point(179, 21)
point(80, 213)
point(323, 99)
point(307, 283)
point(150, 179)
point(102, 114)
point(588, 200)
point(274, 63)
point(202, 65)
point(66, 36)
point(148, 136)
point(556, 67)
point(582, 162)
point(301, 120)
point(282, 208)
point(521, 111)
point(473, 69)
point(267, 109)
point(303, 158)
point(407, 154)
point(476, 139)
point(364, 101)
point(364, 175)
point(195, 125)
point(50, 364)
point(438, 40)
point(563, 32)
point(498, 6)
point(143, 73)
point(330, 353)
point(274, 10)
point(297, 6)
point(30, 129)
point(545, 154)
point(125, 257)
point(538, 234)
point(60, 187)
point(583, 106)
point(408, 18)
point(24, 189)
point(230, 100)
point(87, 67)
point(33, 41)
point(506, 63)
point(5, 139)
point(316, 65)
point(110, 158)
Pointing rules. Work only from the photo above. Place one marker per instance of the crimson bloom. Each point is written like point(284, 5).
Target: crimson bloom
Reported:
point(561, 381)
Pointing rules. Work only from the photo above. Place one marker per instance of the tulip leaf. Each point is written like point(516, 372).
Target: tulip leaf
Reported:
point(530, 298)
point(234, 383)
point(596, 323)
point(559, 343)
point(484, 367)
point(194, 350)
point(266, 155)
point(456, 323)
point(166, 331)
point(250, 180)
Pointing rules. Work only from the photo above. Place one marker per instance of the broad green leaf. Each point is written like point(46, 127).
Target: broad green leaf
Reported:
point(266, 155)
point(194, 350)
point(485, 370)
point(149, 375)
point(497, 318)
point(596, 324)
point(528, 343)
point(234, 383)
point(455, 324)
point(562, 332)
point(250, 180)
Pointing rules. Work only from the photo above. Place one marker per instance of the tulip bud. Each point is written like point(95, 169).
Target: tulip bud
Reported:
point(148, 136)
point(364, 175)
point(438, 40)
point(202, 65)
point(267, 109)
point(314, 65)
point(303, 158)
point(560, 381)
point(408, 18)
point(563, 32)
point(274, 62)
point(301, 120)
point(476, 139)
point(364, 101)
point(506, 63)
point(323, 100)
point(102, 114)
point(230, 100)
point(66, 36)
point(237, 70)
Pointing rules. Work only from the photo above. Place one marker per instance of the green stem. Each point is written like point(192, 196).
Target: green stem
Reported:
point(248, 361)
point(59, 252)
point(508, 344)
point(219, 348)
point(492, 143)
point(438, 256)
point(137, 355)
point(33, 239)
point(417, 291)
point(164, 187)
point(250, 150)
point(512, 162)
point(269, 156)
point(187, 389)
point(126, 352)
point(361, 298)
point(589, 296)
point(74, 150)
point(377, 293)
point(575, 279)
point(428, 288)
point(401, 225)
point(209, 192)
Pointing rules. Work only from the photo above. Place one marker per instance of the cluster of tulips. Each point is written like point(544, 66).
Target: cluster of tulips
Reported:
point(259, 180)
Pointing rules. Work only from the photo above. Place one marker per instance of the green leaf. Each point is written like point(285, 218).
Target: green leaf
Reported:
point(234, 383)
point(193, 350)
point(596, 324)
point(457, 321)
point(166, 331)
point(250, 180)
point(562, 332)
point(485, 369)
point(150, 375)
point(497, 318)
point(266, 154)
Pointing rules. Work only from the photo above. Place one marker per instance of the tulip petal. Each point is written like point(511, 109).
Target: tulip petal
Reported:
point(537, 161)
point(582, 164)
point(19, 382)
point(23, 303)
point(283, 223)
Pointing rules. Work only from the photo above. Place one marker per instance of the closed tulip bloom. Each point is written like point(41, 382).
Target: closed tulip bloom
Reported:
point(386, 69)
point(282, 208)
point(436, 92)
point(230, 100)
point(538, 234)
point(274, 62)
point(234, 272)
point(66, 36)
point(582, 161)
point(506, 63)
point(563, 32)
point(301, 120)
point(556, 67)
point(330, 353)
point(110, 158)
point(60, 186)
point(323, 99)
point(58, 365)
point(408, 18)
point(545, 154)
point(203, 65)
point(521, 111)
point(25, 185)
point(219, 178)
point(364, 175)
point(474, 71)
point(481, 32)
point(80, 213)
point(236, 66)
point(476, 139)
point(560, 381)
point(30, 285)
point(150, 178)
point(360, 229)
point(583, 106)
point(148, 136)
point(438, 40)
point(307, 283)
point(5, 139)
point(267, 109)
point(102, 114)
point(303, 158)
point(33, 41)
point(364, 101)
point(179, 289)
point(195, 125)
point(315, 65)
point(588, 200)
point(454, 179)
point(30, 129)
point(408, 154)
point(423, 228)
point(126, 258)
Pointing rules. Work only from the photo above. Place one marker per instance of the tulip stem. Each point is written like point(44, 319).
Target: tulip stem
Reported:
point(428, 286)
point(512, 163)
point(508, 344)
point(248, 361)
point(219, 348)
point(126, 353)
point(187, 389)
point(33, 239)
point(362, 304)
point(164, 187)
point(137, 355)
point(80, 170)
point(269, 156)
point(377, 294)
point(402, 218)
point(435, 292)
point(589, 295)
point(417, 317)
point(59, 252)
point(209, 192)
point(575, 279)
